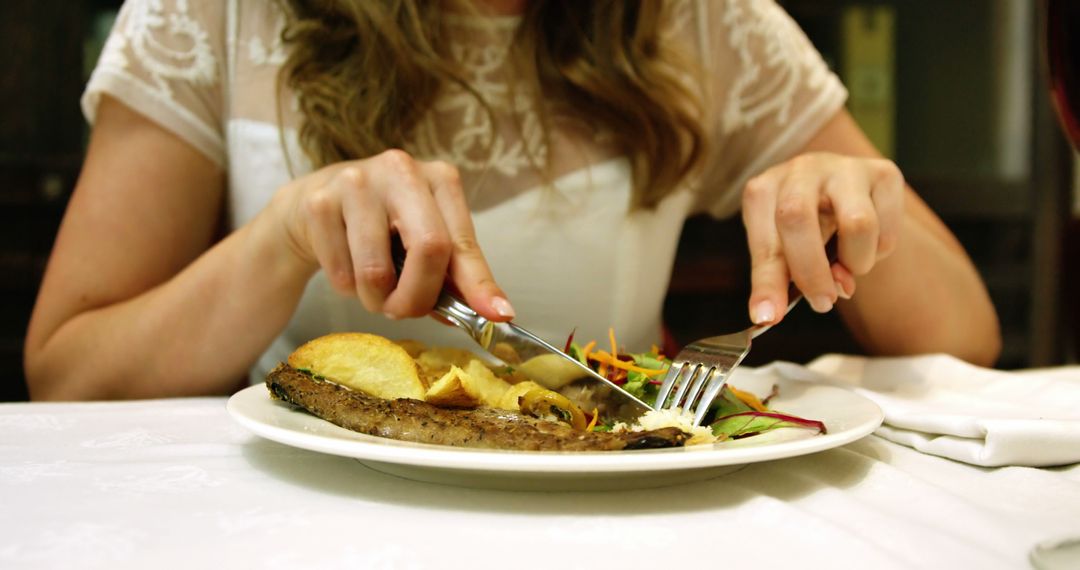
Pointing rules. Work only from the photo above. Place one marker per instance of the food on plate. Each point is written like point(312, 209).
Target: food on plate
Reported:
point(734, 414)
point(555, 371)
point(364, 362)
point(405, 390)
point(410, 419)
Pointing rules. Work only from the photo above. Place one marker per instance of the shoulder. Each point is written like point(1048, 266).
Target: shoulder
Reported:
point(171, 39)
point(169, 60)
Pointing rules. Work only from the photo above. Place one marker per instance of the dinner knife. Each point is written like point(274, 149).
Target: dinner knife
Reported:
point(533, 357)
point(537, 359)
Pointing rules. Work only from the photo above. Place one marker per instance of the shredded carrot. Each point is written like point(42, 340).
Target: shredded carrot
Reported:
point(606, 359)
point(592, 422)
point(655, 350)
point(747, 398)
point(603, 367)
point(588, 348)
point(611, 337)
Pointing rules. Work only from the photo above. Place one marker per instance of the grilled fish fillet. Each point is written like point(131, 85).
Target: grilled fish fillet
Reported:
point(413, 420)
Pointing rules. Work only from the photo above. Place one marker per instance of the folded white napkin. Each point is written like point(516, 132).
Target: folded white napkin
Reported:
point(944, 406)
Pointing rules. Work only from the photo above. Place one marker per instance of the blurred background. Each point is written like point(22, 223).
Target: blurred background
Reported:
point(953, 90)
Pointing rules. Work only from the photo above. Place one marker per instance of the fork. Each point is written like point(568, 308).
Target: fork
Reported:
point(708, 362)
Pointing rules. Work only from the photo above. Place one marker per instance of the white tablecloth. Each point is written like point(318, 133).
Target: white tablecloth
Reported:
point(178, 484)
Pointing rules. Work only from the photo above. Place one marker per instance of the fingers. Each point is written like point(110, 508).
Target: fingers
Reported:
point(888, 196)
point(791, 210)
point(326, 236)
point(769, 275)
point(856, 220)
point(349, 211)
point(798, 204)
point(412, 211)
point(368, 235)
point(468, 270)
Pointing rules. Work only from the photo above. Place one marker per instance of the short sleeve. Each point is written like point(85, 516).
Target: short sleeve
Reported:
point(767, 91)
point(164, 59)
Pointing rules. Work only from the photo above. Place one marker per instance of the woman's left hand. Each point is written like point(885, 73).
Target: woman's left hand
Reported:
point(793, 208)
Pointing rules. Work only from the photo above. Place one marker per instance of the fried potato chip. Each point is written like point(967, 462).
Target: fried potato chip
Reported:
point(441, 359)
point(413, 347)
point(450, 391)
point(475, 385)
point(484, 384)
point(365, 362)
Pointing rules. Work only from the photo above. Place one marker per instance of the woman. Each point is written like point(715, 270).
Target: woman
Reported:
point(545, 152)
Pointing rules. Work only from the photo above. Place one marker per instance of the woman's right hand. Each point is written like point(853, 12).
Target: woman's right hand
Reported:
point(341, 218)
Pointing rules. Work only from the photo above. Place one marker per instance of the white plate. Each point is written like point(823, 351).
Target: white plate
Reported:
point(847, 416)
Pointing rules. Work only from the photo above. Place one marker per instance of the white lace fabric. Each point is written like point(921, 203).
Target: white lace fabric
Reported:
point(165, 62)
point(207, 70)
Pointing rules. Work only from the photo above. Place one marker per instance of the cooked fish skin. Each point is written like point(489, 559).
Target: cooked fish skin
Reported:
point(417, 421)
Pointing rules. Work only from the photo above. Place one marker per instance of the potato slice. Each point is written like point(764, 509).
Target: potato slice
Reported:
point(441, 359)
point(476, 385)
point(365, 362)
point(413, 347)
point(484, 384)
point(450, 391)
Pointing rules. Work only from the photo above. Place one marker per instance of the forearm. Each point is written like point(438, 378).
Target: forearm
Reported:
point(926, 297)
point(196, 333)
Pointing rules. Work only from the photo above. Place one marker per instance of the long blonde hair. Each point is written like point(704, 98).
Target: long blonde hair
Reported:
point(364, 72)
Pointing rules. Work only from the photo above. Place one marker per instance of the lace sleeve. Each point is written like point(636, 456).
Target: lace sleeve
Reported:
point(768, 92)
point(164, 60)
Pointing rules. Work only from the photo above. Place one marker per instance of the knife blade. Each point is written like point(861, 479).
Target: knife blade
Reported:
point(530, 355)
point(537, 359)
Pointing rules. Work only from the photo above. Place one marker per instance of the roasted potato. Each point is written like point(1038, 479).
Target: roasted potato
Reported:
point(450, 391)
point(364, 362)
point(484, 384)
point(447, 377)
point(441, 359)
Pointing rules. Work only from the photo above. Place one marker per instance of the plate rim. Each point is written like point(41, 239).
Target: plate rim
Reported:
point(365, 447)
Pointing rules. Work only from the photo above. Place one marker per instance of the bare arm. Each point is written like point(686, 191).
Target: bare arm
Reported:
point(130, 306)
point(914, 288)
point(926, 296)
point(138, 302)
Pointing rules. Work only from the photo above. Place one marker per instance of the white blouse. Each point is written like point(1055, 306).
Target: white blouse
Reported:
point(569, 252)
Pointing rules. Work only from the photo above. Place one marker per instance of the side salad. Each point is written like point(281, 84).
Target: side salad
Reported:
point(734, 414)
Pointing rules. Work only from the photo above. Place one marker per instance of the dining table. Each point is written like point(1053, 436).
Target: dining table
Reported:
point(187, 483)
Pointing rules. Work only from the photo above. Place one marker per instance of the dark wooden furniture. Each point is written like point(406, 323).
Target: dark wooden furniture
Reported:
point(41, 145)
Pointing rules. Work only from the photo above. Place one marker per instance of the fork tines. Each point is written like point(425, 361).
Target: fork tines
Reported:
point(698, 373)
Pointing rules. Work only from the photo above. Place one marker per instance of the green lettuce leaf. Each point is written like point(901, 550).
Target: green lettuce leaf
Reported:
point(727, 404)
point(745, 424)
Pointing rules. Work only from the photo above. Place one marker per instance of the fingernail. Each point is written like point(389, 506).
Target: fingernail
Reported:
point(840, 292)
point(764, 312)
point(502, 307)
point(390, 316)
point(821, 303)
